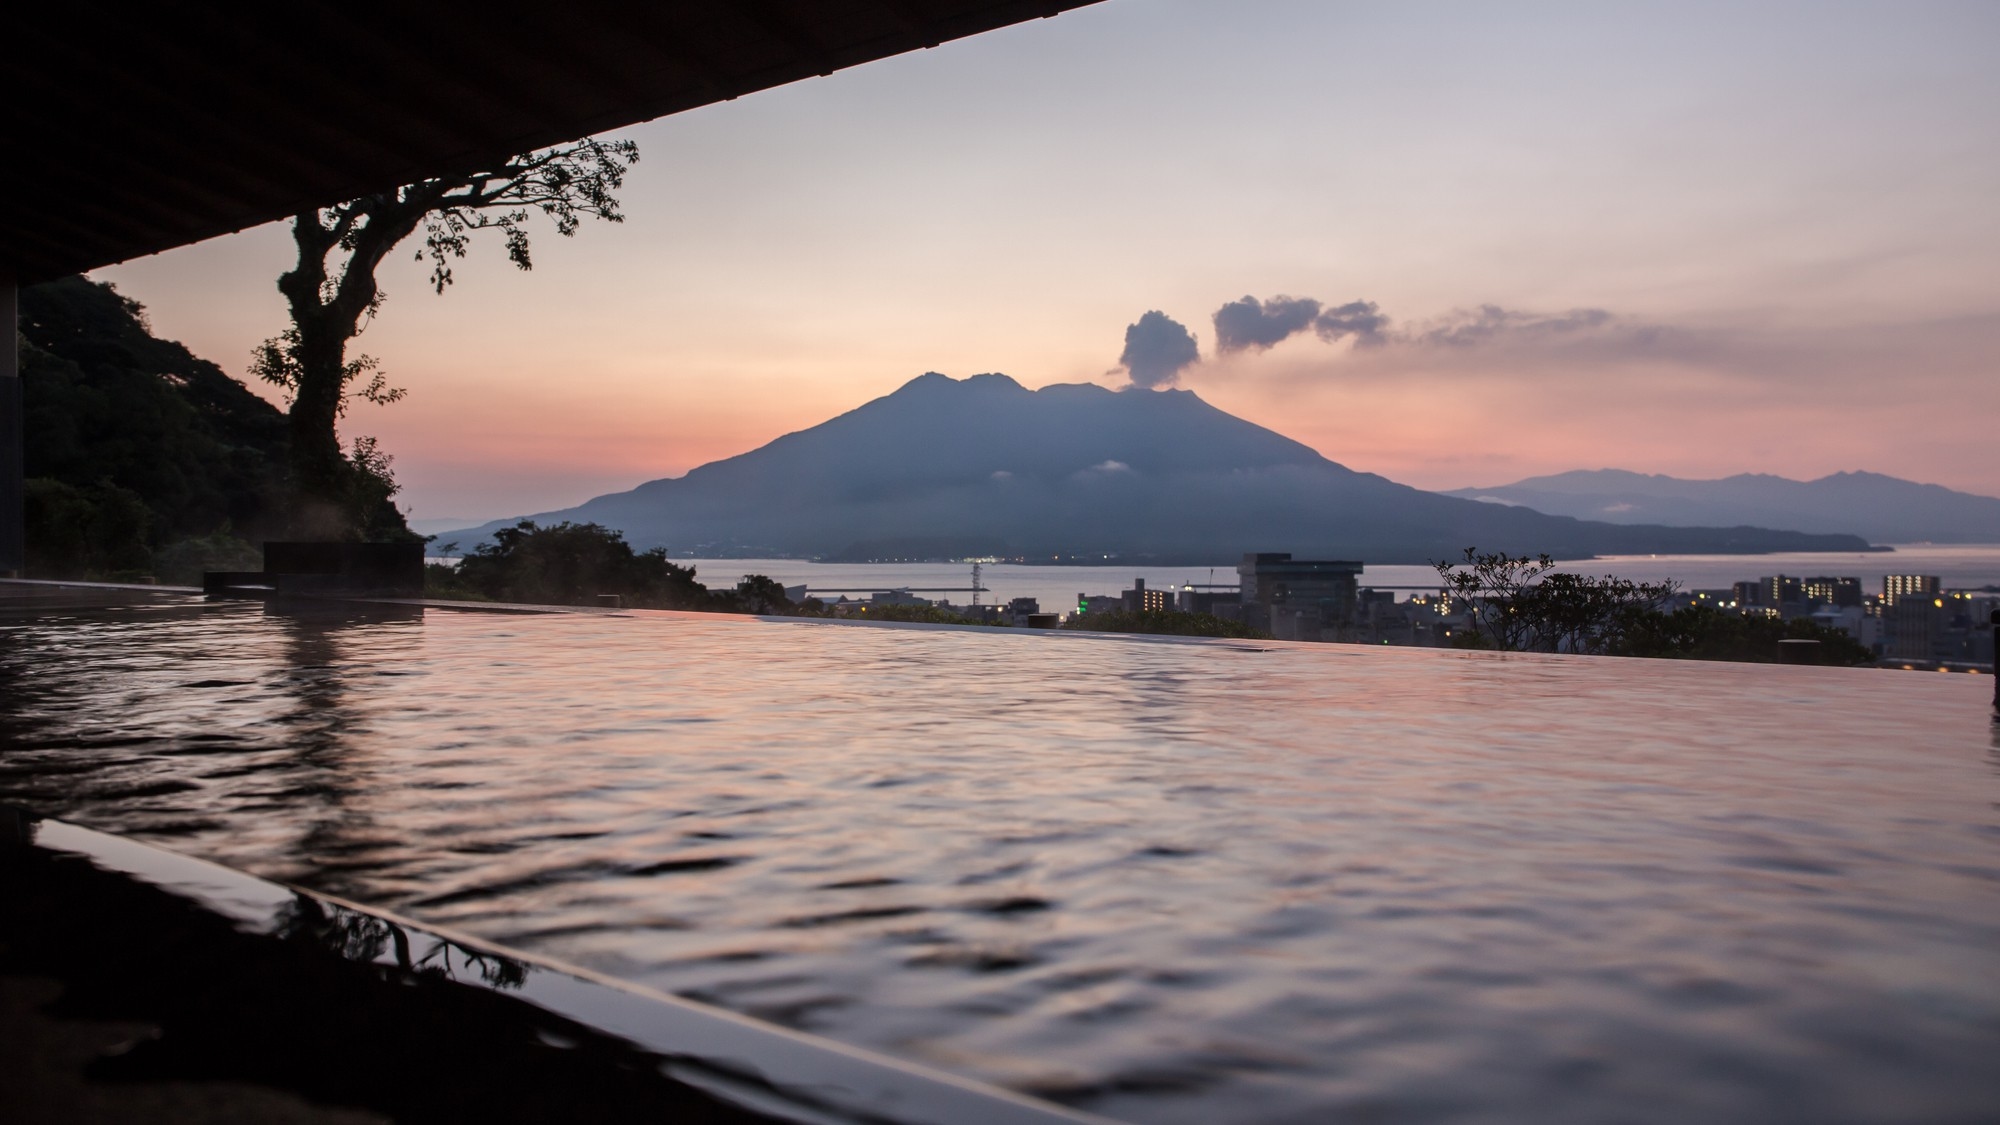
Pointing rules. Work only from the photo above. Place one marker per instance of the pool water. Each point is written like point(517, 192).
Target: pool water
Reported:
point(1164, 881)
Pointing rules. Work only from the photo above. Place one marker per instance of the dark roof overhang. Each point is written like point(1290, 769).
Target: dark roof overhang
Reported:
point(135, 128)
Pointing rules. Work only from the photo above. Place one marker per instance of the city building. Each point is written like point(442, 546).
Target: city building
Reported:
point(1897, 586)
point(1141, 600)
point(1310, 597)
point(1216, 603)
point(1833, 591)
point(1781, 591)
point(1087, 604)
point(1912, 626)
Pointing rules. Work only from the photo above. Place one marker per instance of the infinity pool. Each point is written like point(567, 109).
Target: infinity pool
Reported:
point(1167, 882)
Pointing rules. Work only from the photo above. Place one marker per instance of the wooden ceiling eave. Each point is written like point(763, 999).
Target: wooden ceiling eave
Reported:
point(135, 129)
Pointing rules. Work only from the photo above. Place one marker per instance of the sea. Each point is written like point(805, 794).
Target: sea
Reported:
point(1057, 588)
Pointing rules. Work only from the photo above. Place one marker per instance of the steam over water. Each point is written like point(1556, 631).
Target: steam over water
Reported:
point(1169, 882)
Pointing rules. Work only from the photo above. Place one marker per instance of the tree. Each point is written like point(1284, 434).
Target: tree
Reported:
point(758, 593)
point(1489, 586)
point(574, 563)
point(141, 457)
point(1703, 632)
point(926, 614)
point(332, 295)
point(1524, 605)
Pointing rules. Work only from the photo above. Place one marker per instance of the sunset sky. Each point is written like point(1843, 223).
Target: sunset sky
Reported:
point(1689, 238)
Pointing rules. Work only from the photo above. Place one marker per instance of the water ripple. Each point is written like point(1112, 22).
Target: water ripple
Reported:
point(1173, 883)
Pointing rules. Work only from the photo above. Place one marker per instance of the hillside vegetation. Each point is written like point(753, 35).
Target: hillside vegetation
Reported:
point(141, 457)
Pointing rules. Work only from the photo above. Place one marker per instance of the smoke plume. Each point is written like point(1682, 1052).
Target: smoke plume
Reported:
point(1157, 349)
point(1250, 324)
point(1471, 327)
point(1359, 319)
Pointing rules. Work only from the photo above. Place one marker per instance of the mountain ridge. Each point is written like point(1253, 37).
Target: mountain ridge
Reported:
point(1883, 508)
point(984, 465)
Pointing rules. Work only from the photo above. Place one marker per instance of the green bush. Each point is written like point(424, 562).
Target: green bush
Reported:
point(576, 563)
point(573, 564)
point(442, 580)
point(89, 532)
point(184, 561)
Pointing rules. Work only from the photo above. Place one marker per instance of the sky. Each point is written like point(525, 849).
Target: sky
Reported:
point(1687, 238)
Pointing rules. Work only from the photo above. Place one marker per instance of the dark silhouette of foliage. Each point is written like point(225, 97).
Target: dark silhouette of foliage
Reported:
point(332, 295)
point(142, 458)
point(1702, 632)
point(1523, 604)
point(443, 580)
point(926, 614)
point(1164, 622)
point(759, 594)
point(573, 564)
point(85, 531)
point(354, 936)
point(577, 563)
point(184, 561)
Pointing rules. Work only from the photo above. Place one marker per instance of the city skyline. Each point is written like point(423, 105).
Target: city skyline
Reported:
point(1700, 241)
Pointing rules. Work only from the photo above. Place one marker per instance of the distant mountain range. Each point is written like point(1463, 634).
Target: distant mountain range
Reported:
point(948, 468)
point(1882, 509)
point(442, 524)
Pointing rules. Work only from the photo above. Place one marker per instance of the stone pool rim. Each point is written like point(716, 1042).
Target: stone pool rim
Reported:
point(762, 1069)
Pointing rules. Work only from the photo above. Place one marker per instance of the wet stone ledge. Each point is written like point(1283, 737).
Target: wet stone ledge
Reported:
point(138, 985)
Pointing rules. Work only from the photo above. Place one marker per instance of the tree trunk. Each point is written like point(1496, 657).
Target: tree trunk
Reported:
point(320, 472)
point(319, 469)
point(323, 480)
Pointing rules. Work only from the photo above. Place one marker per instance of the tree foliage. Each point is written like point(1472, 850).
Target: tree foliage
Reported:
point(1702, 632)
point(1523, 604)
point(141, 458)
point(926, 614)
point(332, 295)
point(576, 563)
point(96, 530)
point(573, 564)
point(756, 593)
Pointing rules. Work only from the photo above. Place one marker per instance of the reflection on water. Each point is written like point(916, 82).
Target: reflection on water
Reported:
point(187, 975)
point(354, 936)
point(1167, 882)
